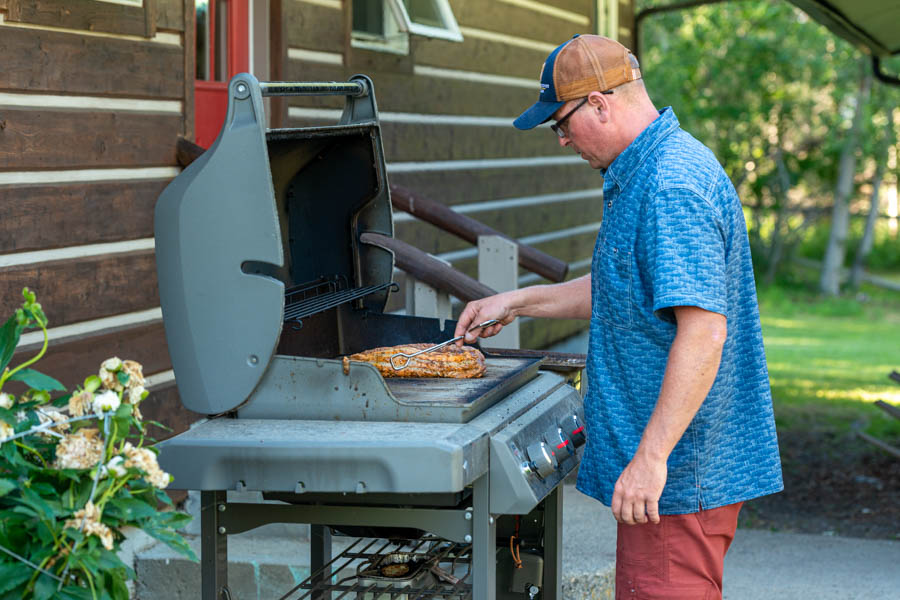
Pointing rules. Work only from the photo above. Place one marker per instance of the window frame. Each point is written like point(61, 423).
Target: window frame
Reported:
point(399, 26)
point(449, 33)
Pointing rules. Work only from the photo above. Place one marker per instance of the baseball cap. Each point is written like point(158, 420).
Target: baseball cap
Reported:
point(584, 64)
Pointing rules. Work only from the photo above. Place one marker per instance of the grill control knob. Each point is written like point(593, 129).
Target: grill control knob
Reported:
point(542, 461)
point(574, 429)
point(560, 443)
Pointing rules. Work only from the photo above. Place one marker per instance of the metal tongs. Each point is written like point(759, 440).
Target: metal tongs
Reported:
point(409, 357)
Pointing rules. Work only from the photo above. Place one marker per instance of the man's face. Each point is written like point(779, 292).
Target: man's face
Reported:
point(584, 132)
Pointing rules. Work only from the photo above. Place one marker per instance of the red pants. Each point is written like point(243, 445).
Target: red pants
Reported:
point(680, 558)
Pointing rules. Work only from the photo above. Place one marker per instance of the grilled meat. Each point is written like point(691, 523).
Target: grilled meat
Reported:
point(450, 361)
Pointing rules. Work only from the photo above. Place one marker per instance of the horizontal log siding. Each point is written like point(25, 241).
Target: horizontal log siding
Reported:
point(461, 187)
point(45, 139)
point(406, 93)
point(521, 22)
point(70, 362)
point(170, 15)
point(482, 56)
point(81, 289)
point(313, 26)
point(524, 221)
point(88, 15)
point(53, 61)
point(570, 249)
point(422, 142)
point(53, 216)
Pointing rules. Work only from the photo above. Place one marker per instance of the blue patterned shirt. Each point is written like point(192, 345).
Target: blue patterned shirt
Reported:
point(673, 234)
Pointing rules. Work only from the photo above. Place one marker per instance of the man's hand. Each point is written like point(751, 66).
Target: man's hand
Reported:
point(493, 307)
point(637, 492)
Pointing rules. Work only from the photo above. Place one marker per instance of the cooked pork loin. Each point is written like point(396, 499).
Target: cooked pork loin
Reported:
point(450, 361)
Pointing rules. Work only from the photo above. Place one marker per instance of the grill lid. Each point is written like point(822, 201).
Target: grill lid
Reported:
point(261, 211)
point(213, 224)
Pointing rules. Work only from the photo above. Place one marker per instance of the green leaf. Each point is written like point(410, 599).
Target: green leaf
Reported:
point(123, 377)
point(38, 381)
point(9, 339)
point(45, 588)
point(72, 592)
point(174, 541)
point(7, 485)
point(12, 575)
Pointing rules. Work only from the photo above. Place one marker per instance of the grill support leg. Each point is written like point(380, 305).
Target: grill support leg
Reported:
point(213, 547)
point(319, 554)
point(553, 545)
point(484, 543)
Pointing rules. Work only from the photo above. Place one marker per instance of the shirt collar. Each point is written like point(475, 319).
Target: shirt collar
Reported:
point(627, 163)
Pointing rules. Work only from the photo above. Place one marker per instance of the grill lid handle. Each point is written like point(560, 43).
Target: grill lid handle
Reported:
point(313, 88)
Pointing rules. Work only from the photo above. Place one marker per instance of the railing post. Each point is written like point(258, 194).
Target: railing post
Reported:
point(498, 268)
point(423, 300)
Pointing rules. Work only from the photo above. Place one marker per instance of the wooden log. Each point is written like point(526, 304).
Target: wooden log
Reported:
point(428, 269)
point(40, 217)
point(32, 139)
point(84, 288)
point(70, 361)
point(70, 63)
point(81, 14)
point(469, 229)
point(170, 15)
point(895, 376)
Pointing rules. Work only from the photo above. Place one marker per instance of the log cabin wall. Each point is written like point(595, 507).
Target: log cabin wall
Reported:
point(93, 95)
point(92, 98)
point(446, 111)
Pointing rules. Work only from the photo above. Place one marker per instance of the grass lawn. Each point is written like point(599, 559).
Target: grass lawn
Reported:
point(829, 359)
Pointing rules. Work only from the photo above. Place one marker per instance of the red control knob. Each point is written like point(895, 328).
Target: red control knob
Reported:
point(574, 429)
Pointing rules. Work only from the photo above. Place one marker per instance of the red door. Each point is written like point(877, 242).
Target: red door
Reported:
point(222, 51)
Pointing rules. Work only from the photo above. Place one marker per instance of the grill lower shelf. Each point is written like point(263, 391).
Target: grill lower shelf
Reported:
point(436, 569)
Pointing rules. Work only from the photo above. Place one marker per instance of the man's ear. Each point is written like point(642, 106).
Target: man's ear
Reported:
point(600, 103)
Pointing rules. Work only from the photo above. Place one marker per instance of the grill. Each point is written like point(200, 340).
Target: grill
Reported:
point(265, 284)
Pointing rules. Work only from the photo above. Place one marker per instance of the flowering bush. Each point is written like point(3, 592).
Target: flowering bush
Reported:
point(74, 472)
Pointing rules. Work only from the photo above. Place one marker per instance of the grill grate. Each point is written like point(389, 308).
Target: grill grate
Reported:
point(318, 296)
point(440, 571)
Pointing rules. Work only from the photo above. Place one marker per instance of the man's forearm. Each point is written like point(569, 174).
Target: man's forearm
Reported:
point(690, 372)
point(569, 300)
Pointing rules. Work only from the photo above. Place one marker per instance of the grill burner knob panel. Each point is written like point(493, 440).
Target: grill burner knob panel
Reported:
point(542, 459)
point(573, 428)
point(560, 443)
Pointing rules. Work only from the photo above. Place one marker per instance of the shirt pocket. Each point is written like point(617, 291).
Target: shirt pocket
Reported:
point(612, 283)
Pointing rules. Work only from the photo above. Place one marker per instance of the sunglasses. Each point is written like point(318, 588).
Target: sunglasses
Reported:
point(557, 127)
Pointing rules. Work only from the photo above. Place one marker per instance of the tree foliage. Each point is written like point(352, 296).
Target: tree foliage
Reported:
point(773, 94)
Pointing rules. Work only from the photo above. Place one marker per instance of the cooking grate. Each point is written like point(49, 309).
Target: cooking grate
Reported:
point(307, 299)
point(438, 570)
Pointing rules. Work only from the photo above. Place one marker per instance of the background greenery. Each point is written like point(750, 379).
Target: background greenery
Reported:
point(773, 94)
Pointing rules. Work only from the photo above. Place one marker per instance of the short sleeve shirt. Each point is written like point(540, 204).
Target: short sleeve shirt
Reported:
point(673, 234)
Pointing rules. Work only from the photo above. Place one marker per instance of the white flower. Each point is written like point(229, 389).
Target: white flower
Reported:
point(112, 364)
point(21, 416)
point(6, 430)
point(135, 394)
point(116, 466)
point(106, 402)
point(6, 400)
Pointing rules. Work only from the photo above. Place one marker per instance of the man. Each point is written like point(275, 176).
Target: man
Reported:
point(678, 408)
